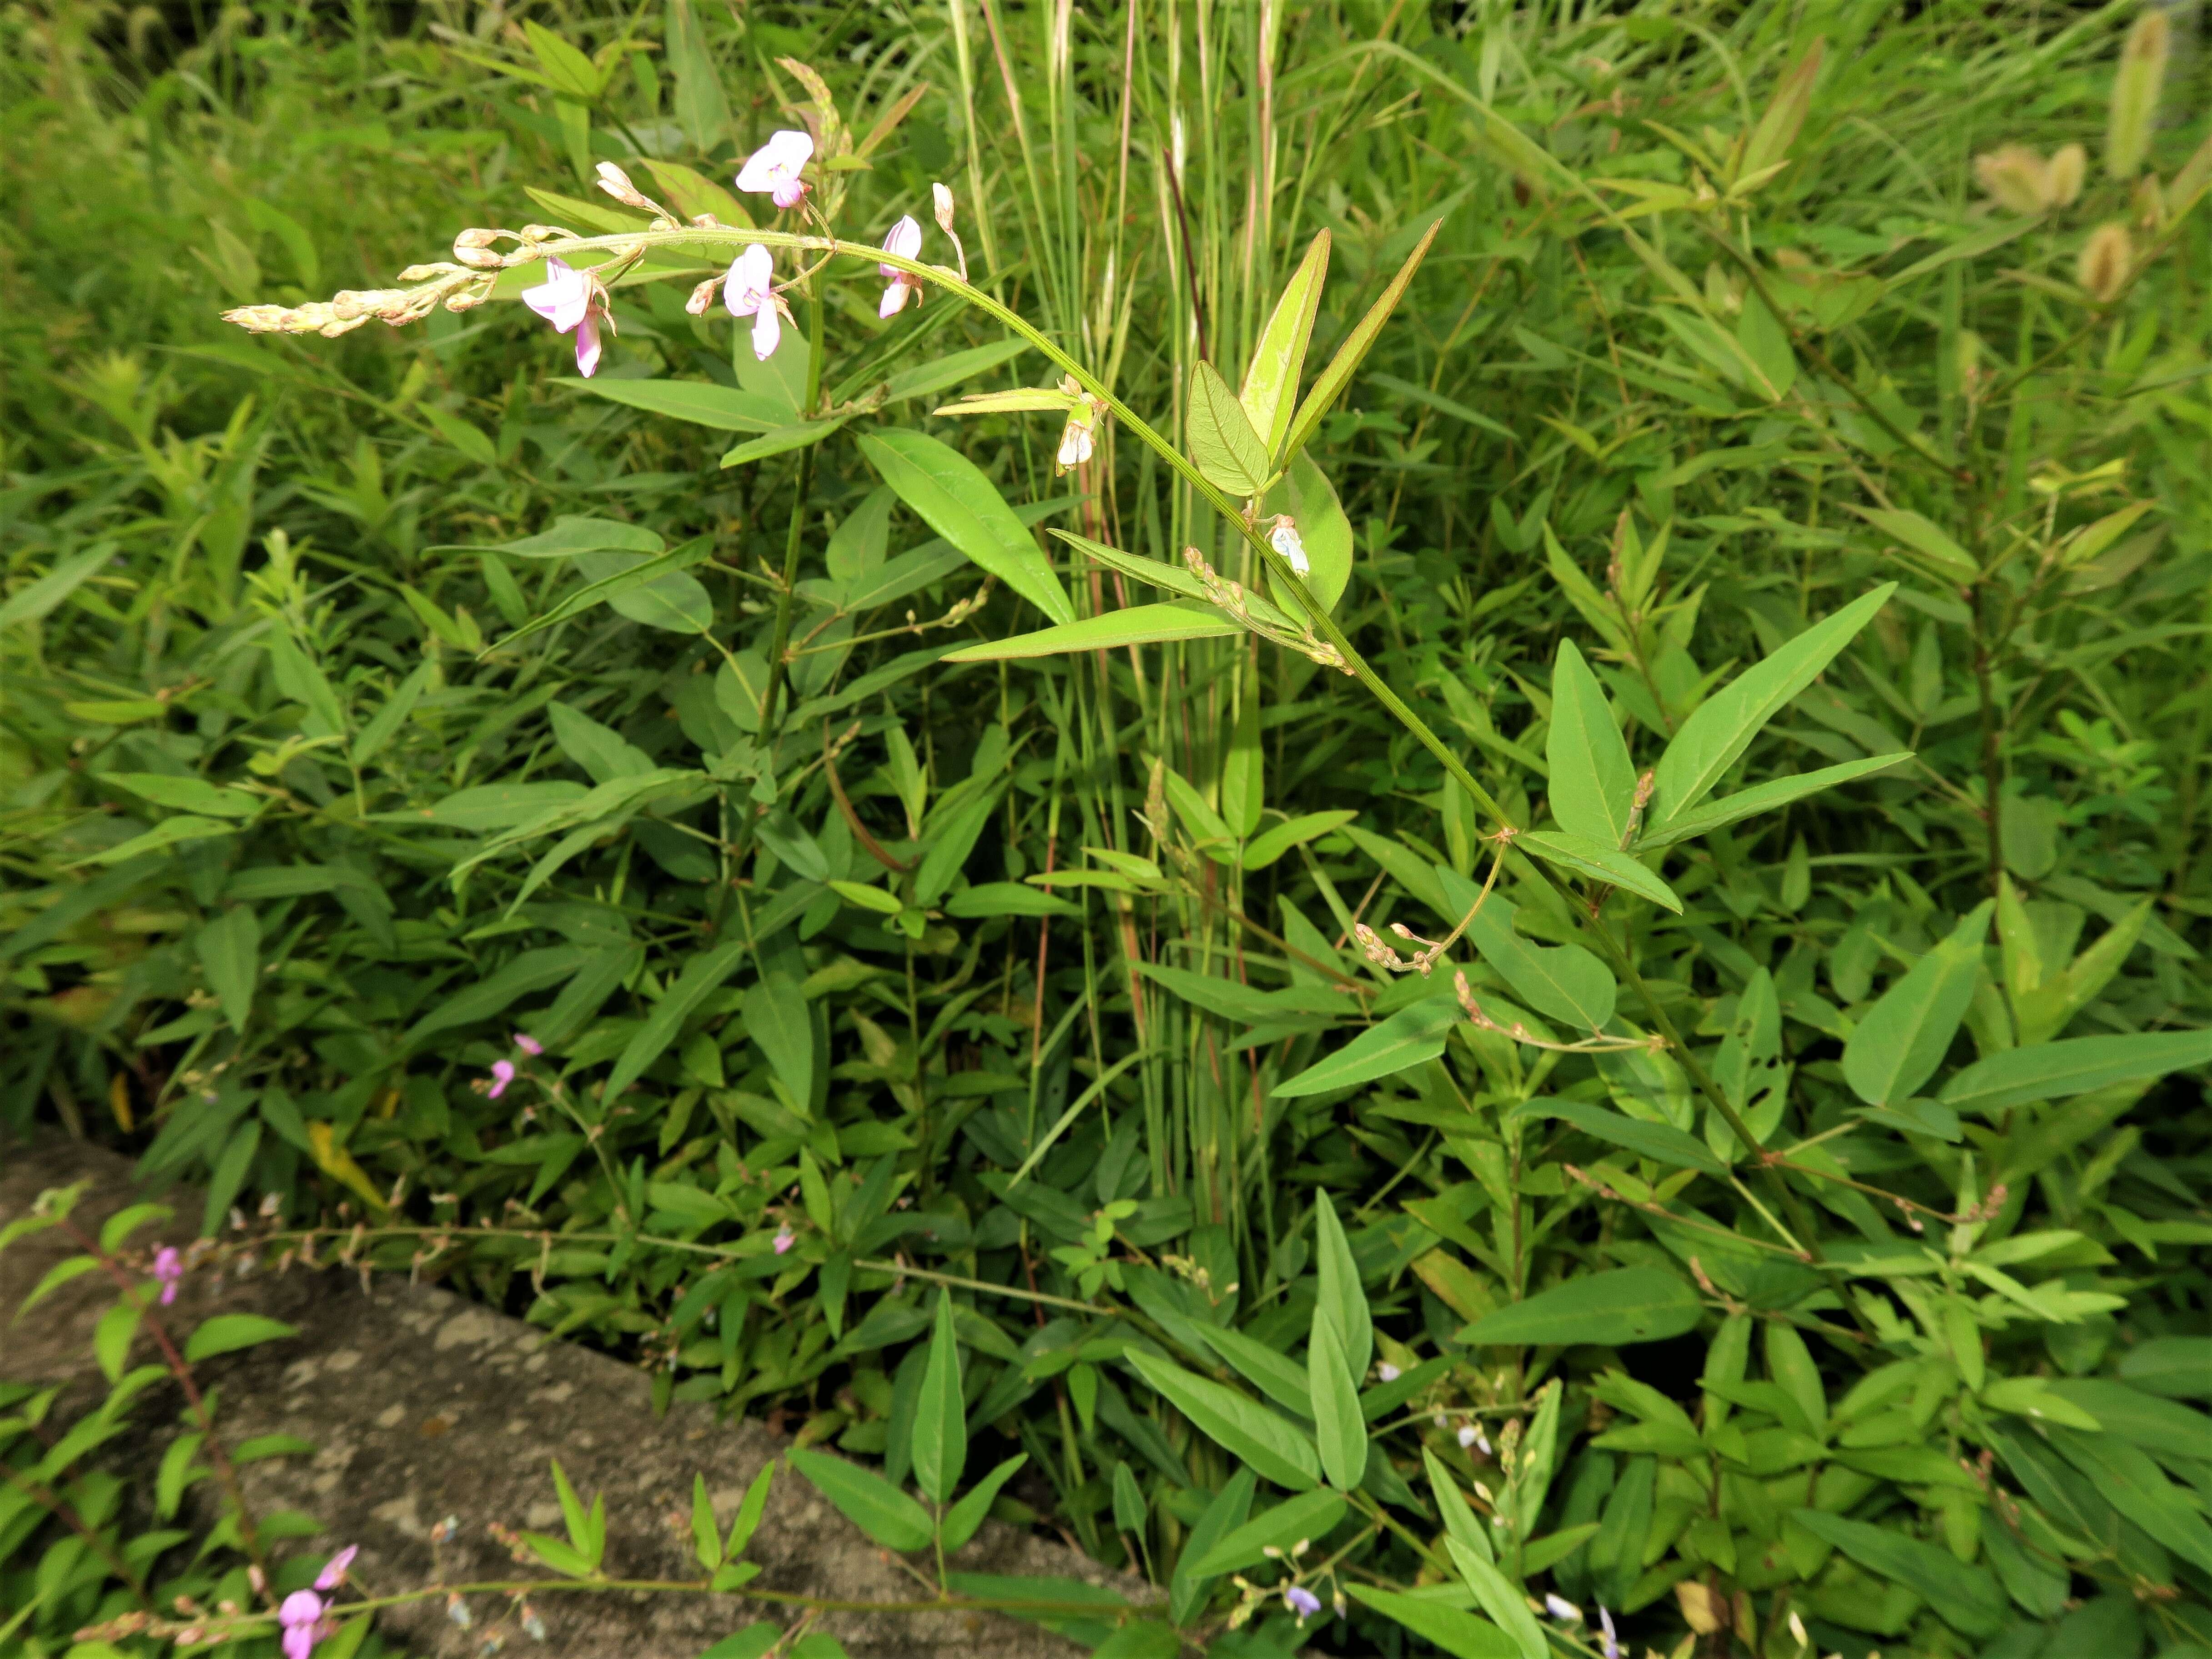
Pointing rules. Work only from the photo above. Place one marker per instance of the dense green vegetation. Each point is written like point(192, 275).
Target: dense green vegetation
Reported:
point(1764, 549)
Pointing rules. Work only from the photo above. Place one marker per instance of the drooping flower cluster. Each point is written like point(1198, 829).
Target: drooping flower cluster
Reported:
point(303, 1614)
point(574, 301)
point(168, 1270)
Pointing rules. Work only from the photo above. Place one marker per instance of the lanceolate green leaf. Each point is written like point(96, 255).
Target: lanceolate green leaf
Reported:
point(1599, 861)
point(1722, 726)
point(1408, 1038)
point(1311, 1516)
point(1899, 1044)
point(867, 1499)
point(1616, 1307)
point(1246, 1429)
point(701, 403)
point(1339, 1431)
point(1559, 982)
point(1332, 381)
point(1139, 624)
point(1593, 781)
point(1341, 1300)
point(782, 441)
point(1501, 1599)
point(1967, 1598)
point(940, 1420)
point(1765, 798)
point(1661, 1142)
point(960, 504)
point(1270, 391)
point(1186, 1586)
point(1457, 1632)
point(2053, 1071)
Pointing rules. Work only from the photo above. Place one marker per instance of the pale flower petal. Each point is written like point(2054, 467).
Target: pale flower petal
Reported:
point(768, 328)
point(564, 298)
point(588, 347)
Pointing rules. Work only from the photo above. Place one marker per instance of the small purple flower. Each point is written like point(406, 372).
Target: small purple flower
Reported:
point(502, 1074)
point(1605, 1625)
point(572, 301)
point(334, 1571)
point(750, 291)
point(785, 1239)
point(300, 1618)
point(905, 240)
point(168, 1270)
point(1388, 1372)
point(529, 1045)
point(1562, 1609)
point(1286, 540)
point(1302, 1602)
point(774, 169)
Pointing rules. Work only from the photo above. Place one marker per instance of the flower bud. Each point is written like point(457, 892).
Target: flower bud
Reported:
point(702, 296)
point(942, 198)
point(473, 249)
point(616, 184)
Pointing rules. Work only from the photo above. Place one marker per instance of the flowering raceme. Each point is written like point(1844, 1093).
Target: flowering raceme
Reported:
point(168, 1269)
point(773, 169)
point(572, 301)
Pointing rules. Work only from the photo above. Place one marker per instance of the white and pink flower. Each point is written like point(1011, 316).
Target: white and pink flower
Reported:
point(904, 240)
point(574, 302)
point(750, 291)
point(773, 169)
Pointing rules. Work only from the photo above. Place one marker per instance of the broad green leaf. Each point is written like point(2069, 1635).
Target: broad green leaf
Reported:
point(1593, 781)
point(1332, 380)
point(229, 952)
point(2053, 1071)
point(492, 806)
point(1765, 798)
point(701, 403)
point(1902, 1039)
point(1307, 496)
point(777, 1018)
point(1925, 538)
point(1276, 1375)
point(2179, 1366)
point(1186, 1585)
point(1270, 392)
point(1501, 1599)
point(1964, 1597)
point(964, 1517)
point(110, 1338)
point(953, 497)
point(1616, 1307)
point(1784, 116)
point(1139, 624)
point(566, 67)
point(1270, 844)
point(1310, 1515)
point(867, 1499)
point(1341, 1300)
point(1455, 1630)
point(706, 1536)
point(1244, 769)
point(228, 1333)
point(1722, 726)
point(188, 794)
point(1601, 861)
point(940, 1422)
point(782, 441)
point(702, 974)
point(1559, 982)
point(1661, 1142)
point(1222, 445)
point(747, 1520)
point(39, 598)
point(570, 536)
point(1340, 1430)
point(676, 603)
point(1459, 1519)
point(1410, 1037)
point(688, 192)
point(1248, 1430)
point(1006, 898)
point(2128, 1480)
point(604, 754)
point(169, 832)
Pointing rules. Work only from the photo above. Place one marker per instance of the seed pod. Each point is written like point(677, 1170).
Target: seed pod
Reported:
point(2134, 95)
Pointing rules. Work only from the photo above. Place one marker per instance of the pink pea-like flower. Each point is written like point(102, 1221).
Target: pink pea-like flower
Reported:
point(774, 169)
point(1286, 540)
point(529, 1045)
point(1611, 1640)
point(1302, 1602)
point(573, 302)
point(905, 240)
point(334, 1570)
point(750, 291)
point(502, 1074)
point(300, 1618)
point(785, 1239)
point(168, 1270)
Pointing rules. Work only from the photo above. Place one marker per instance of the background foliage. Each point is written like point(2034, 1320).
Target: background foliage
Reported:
point(307, 810)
